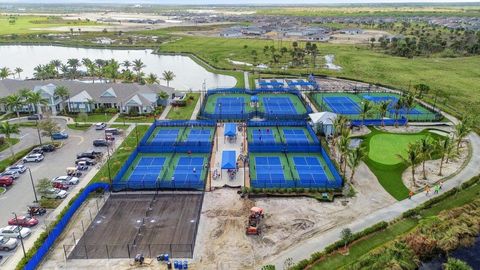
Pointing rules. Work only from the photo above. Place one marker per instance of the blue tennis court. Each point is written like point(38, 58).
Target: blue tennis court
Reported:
point(263, 136)
point(309, 169)
point(232, 105)
point(295, 136)
point(147, 169)
point(199, 135)
point(279, 105)
point(166, 135)
point(342, 105)
point(269, 168)
point(188, 169)
point(393, 100)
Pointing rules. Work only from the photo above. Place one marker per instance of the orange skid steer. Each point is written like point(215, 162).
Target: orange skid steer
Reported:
point(254, 221)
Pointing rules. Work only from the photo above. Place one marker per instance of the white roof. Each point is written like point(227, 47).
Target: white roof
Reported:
point(325, 118)
point(81, 97)
point(135, 100)
point(109, 93)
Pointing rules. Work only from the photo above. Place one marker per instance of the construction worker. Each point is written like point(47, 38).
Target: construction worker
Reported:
point(427, 190)
point(410, 194)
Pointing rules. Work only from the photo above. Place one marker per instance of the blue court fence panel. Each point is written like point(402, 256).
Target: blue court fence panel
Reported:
point(37, 258)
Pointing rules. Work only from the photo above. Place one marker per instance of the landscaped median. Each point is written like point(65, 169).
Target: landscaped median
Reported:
point(359, 244)
point(184, 112)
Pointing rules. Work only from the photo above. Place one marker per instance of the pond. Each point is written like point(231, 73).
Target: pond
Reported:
point(470, 255)
point(188, 74)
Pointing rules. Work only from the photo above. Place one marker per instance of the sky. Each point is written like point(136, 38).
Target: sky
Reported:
point(234, 2)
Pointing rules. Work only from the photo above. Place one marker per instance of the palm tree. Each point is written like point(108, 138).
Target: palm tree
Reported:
point(8, 130)
point(343, 146)
point(138, 65)
point(63, 93)
point(56, 64)
point(36, 99)
point(426, 148)
point(408, 105)
point(461, 131)
point(14, 102)
point(412, 159)
point(126, 64)
point(442, 148)
point(168, 76)
point(4, 73)
point(128, 75)
point(152, 79)
point(18, 71)
point(397, 107)
point(111, 70)
point(74, 64)
point(354, 158)
point(383, 110)
point(365, 110)
point(65, 70)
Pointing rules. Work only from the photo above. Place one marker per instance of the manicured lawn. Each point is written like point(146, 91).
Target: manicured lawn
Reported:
point(120, 156)
point(35, 24)
point(383, 162)
point(135, 119)
point(94, 117)
point(5, 145)
point(385, 147)
point(178, 113)
point(79, 126)
point(9, 160)
point(2, 190)
point(363, 246)
point(120, 126)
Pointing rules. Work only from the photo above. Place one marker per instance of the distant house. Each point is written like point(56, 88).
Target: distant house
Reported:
point(253, 31)
point(231, 33)
point(354, 31)
point(320, 38)
point(86, 97)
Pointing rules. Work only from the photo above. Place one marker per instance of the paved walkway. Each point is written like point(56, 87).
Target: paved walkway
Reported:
point(247, 82)
point(163, 116)
point(317, 243)
point(197, 109)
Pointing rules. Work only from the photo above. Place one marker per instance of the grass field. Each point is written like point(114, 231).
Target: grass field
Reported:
point(135, 119)
point(8, 142)
point(35, 24)
point(82, 127)
point(456, 78)
point(179, 113)
point(93, 117)
point(383, 161)
point(366, 244)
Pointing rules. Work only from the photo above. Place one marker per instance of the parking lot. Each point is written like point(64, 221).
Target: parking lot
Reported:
point(20, 194)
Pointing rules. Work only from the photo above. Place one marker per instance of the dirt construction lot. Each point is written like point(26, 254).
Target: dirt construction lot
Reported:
point(148, 224)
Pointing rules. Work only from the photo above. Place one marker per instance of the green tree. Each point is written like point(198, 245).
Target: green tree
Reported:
point(4, 73)
point(383, 110)
point(412, 159)
point(365, 110)
point(354, 158)
point(426, 148)
point(346, 235)
point(49, 126)
point(456, 264)
point(152, 79)
point(421, 89)
point(18, 71)
point(462, 129)
point(43, 186)
point(8, 130)
point(36, 99)
point(442, 148)
point(63, 93)
point(397, 107)
point(408, 105)
point(138, 65)
point(168, 76)
point(343, 146)
point(14, 102)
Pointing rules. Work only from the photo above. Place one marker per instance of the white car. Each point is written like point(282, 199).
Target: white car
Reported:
point(11, 173)
point(13, 232)
point(69, 180)
point(18, 168)
point(100, 126)
point(33, 158)
point(55, 193)
point(7, 244)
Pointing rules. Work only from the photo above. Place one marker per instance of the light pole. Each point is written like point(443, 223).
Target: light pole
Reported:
point(108, 164)
point(20, 234)
point(33, 185)
point(38, 132)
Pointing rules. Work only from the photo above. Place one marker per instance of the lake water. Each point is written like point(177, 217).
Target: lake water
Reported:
point(189, 74)
point(470, 255)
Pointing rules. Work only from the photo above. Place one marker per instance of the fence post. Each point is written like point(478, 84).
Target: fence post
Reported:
point(108, 254)
point(149, 251)
point(74, 241)
point(128, 250)
point(86, 252)
point(65, 252)
point(83, 228)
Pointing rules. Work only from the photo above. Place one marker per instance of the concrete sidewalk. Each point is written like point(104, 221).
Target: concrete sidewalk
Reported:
point(317, 243)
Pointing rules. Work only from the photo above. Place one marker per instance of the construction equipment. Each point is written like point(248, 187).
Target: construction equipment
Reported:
point(254, 221)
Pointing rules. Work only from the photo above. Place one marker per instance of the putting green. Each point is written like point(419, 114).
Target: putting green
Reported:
point(384, 148)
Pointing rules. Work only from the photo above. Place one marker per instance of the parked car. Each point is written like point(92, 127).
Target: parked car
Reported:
point(67, 179)
point(23, 221)
point(35, 117)
point(37, 150)
point(100, 142)
point(109, 137)
point(18, 168)
point(8, 243)
point(55, 193)
point(59, 135)
point(48, 148)
point(15, 232)
point(100, 126)
point(6, 181)
point(87, 161)
point(114, 131)
point(60, 185)
point(89, 154)
point(36, 210)
point(13, 174)
point(33, 158)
